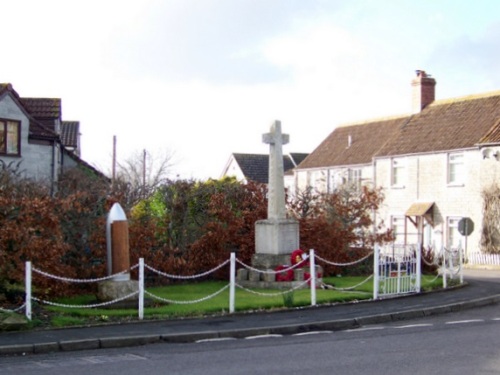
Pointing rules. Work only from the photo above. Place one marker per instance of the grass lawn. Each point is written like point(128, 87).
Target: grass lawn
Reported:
point(219, 304)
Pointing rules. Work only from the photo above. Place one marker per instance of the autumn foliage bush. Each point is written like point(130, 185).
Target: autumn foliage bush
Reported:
point(339, 226)
point(184, 227)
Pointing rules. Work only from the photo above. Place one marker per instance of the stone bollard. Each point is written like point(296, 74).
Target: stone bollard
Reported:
point(269, 276)
point(242, 274)
point(254, 276)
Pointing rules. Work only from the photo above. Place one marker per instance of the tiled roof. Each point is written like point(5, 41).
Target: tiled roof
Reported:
point(444, 125)
point(255, 167)
point(5, 87)
point(493, 135)
point(353, 144)
point(36, 129)
point(43, 108)
point(69, 133)
point(448, 125)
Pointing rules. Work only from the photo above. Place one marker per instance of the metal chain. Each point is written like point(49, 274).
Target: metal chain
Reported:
point(355, 286)
point(14, 310)
point(431, 281)
point(433, 263)
point(187, 277)
point(271, 272)
point(273, 294)
point(344, 264)
point(85, 306)
point(67, 279)
point(186, 302)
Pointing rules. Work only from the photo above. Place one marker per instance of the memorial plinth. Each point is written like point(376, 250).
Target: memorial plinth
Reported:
point(275, 239)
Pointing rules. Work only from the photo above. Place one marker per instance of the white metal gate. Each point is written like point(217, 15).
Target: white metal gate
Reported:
point(397, 270)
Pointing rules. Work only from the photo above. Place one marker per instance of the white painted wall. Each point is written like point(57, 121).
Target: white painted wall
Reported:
point(36, 159)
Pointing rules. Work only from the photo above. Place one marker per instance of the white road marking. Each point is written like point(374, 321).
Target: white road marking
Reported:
point(415, 325)
point(215, 340)
point(364, 329)
point(466, 321)
point(262, 337)
point(311, 333)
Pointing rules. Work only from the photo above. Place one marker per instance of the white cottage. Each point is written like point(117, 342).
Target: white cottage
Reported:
point(433, 166)
point(34, 137)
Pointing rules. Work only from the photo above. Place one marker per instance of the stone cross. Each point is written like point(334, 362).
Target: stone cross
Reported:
point(276, 188)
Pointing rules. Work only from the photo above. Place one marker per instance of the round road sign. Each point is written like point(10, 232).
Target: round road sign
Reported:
point(465, 226)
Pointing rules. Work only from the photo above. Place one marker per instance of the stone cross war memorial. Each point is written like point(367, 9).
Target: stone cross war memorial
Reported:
point(277, 236)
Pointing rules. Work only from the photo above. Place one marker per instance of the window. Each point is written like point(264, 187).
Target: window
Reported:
point(316, 179)
point(454, 237)
point(354, 178)
point(397, 172)
point(333, 180)
point(9, 137)
point(398, 228)
point(455, 169)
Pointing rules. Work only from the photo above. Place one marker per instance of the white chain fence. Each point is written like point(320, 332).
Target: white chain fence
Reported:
point(345, 264)
point(90, 306)
point(70, 280)
point(190, 277)
point(231, 286)
point(271, 272)
point(13, 310)
point(298, 286)
point(179, 302)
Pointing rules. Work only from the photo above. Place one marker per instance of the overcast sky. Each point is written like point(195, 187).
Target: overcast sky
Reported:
point(206, 78)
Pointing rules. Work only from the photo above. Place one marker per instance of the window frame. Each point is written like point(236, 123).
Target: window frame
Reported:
point(455, 170)
point(398, 179)
point(398, 221)
point(354, 177)
point(452, 233)
point(4, 126)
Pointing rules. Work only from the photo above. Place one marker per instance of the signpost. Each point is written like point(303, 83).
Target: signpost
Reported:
point(465, 228)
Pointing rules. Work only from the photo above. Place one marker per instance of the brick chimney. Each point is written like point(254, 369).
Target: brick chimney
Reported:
point(423, 91)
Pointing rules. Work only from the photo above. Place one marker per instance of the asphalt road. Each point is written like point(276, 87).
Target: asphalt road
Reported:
point(482, 288)
point(465, 342)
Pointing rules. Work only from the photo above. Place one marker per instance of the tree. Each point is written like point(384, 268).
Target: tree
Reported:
point(340, 225)
point(201, 222)
point(490, 235)
point(142, 173)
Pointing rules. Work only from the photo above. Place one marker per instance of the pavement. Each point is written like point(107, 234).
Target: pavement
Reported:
point(481, 287)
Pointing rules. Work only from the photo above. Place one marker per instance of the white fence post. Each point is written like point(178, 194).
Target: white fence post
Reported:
point(444, 268)
point(419, 267)
point(461, 263)
point(141, 288)
point(376, 270)
point(398, 279)
point(312, 265)
point(232, 282)
point(27, 289)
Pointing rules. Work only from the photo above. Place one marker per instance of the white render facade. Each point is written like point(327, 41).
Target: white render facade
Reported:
point(454, 188)
point(422, 178)
point(38, 161)
point(31, 138)
point(432, 166)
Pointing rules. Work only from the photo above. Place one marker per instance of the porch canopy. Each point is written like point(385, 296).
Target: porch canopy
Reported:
point(417, 213)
